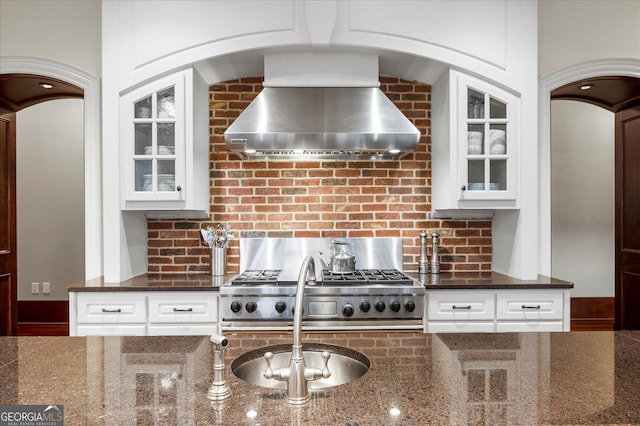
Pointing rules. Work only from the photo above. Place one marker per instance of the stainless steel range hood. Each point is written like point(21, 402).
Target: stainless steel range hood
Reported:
point(350, 123)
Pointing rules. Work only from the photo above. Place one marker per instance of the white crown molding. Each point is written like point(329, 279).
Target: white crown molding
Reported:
point(599, 68)
point(90, 84)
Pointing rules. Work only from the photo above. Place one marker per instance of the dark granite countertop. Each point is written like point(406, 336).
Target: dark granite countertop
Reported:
point(202, 282)
point(157, 282)
point(485, 281)
point(415, 379)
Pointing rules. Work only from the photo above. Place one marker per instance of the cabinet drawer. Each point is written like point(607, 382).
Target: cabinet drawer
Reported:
point(460, 306)
point(460, 327)
point(183, 329)
point(526, 326)
point(108, 309)
point(530, 305)
point(112, 330)
point(180, 308)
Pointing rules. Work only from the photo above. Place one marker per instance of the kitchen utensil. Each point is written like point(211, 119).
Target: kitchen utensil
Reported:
point(340, 261)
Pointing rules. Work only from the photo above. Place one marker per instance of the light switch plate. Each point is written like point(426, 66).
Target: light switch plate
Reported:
point(46, 288)
point(35, 288)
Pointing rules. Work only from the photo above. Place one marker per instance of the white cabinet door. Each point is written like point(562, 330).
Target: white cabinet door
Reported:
point(153, 140)
point(177, 307)
point(475, 144)
point(530, 305)
point(487, 141)
point(165, 145)
point(460, 306)
point(101, 308)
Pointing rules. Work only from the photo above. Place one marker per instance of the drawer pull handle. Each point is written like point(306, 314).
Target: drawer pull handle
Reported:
point(530, 306)
point(182, 309)
point(464, 307)
point(111, 311)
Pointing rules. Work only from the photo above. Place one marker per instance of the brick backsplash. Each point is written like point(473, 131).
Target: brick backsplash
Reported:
point(307, 199)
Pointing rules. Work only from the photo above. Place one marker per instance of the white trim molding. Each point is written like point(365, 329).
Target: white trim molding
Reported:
point(90, 84)
point(600, 68)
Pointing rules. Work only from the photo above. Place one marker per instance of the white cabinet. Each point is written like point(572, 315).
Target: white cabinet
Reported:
point(164, 144)
point(450, 311)
point(182, 314)
point(151, 313)
point(113, 314)
point(475, 141)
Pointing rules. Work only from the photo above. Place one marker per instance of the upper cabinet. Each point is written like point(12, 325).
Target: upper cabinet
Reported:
point(475, 144)
point(164, 144)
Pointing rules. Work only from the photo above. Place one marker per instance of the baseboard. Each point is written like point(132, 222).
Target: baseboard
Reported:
point(592, 313)
point(43, 329)
point(43, 318)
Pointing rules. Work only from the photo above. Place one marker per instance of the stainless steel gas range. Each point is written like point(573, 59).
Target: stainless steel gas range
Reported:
point(376, 295)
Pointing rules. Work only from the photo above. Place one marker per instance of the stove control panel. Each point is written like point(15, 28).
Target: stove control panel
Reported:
point(258, 308)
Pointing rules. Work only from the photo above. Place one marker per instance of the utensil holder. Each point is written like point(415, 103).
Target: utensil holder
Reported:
point(218, 261)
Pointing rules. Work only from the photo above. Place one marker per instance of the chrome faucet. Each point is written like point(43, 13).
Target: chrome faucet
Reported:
point(297, 374)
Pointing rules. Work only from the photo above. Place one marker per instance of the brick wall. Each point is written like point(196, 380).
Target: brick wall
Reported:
point(319, 198)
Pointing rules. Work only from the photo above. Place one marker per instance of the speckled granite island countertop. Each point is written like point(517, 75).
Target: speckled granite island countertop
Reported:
point(415, 379)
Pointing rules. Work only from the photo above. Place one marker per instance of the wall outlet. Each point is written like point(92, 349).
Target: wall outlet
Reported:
point(46, 288)
point(35, 288)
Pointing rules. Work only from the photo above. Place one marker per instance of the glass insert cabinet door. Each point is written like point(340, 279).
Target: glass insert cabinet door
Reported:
point(154, 141)
point(487, 141)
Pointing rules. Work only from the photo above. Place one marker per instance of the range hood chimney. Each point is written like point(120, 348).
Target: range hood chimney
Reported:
point(327, 122)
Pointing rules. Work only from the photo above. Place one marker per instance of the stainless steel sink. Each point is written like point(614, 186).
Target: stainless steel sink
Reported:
point(345, 364)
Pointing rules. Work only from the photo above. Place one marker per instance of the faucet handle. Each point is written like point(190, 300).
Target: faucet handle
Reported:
point(313, 373)
point(326, 373)
point(268, 372)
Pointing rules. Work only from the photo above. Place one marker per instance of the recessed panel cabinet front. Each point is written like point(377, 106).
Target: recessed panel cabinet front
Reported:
point(498, 310)
point(143, 313)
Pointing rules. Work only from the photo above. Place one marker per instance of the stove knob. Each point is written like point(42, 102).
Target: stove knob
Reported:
point(395, 306)
point(236, 307)
point(410, 306)
point(379, 306)
point(251, 307)
point(365, 306)
point(347, 310)
point(280, 307)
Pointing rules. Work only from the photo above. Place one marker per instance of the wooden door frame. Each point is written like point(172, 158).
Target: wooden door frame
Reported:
point(9, 294)
point(620, 118)
point(90, 84)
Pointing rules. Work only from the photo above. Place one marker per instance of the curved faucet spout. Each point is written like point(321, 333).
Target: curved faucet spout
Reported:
point(297, 374)
point(307, 273)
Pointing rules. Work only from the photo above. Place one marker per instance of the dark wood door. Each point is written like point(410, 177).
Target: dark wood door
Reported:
point(628, 219)
point(8, 254)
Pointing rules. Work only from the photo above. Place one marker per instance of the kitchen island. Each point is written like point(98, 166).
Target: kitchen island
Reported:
point(415, 379)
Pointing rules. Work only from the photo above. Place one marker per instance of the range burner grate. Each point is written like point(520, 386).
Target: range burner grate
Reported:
point(367, 277)
point(257, 277)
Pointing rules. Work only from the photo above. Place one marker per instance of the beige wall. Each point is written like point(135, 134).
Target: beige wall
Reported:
point(50, 142)
point(64, 31)
point(582, 197)
point(50, 197)
point(572, 32)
